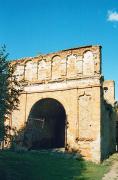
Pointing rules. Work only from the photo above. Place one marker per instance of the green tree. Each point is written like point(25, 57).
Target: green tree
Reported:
point(9, 91)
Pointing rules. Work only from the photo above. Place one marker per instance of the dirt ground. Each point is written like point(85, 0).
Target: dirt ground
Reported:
point(113, 173)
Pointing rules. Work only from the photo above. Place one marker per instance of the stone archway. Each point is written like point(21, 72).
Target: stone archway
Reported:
point(46, 125)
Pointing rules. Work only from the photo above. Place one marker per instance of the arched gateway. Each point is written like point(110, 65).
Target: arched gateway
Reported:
point(65, 103)
point(46, 125)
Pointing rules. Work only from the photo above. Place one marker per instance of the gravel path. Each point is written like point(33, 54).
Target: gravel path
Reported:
point(113, 173)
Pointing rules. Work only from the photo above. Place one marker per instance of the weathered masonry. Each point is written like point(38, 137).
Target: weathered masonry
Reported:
point(66, 103)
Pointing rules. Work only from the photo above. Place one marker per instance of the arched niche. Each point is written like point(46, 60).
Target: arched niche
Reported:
point(44, 69)
point(30, 71)
point(58, 67)
point(88, 63)
point(19, 71)
point(85, 116)
point(74, 65)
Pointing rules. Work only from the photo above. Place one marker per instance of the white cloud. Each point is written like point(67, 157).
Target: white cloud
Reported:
point(112, 16)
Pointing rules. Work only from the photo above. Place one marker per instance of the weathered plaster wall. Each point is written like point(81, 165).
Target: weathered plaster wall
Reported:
point(72, 77)
point(109, 91)
point(108, 130)
point(83, 132)
point(108, 121)
point(68, 64)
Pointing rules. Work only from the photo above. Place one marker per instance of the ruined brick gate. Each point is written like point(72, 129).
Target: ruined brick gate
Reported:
point(66, 103)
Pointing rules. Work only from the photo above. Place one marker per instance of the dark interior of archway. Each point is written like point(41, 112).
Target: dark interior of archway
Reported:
point(46, 125)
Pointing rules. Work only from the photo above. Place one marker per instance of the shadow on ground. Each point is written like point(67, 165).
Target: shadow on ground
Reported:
point(43, 165)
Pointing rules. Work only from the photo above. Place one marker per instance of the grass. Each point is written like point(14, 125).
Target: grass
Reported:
point(47, 166)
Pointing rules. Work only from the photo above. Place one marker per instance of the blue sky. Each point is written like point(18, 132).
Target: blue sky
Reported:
point(30, 27)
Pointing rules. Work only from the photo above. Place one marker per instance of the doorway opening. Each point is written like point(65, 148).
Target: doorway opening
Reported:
point(46, 125)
